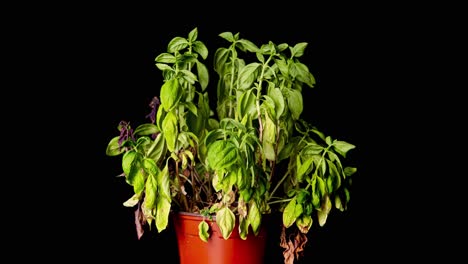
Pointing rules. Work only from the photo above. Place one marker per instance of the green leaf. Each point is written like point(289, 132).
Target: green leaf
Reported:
point(113, 148)
point(348, 171)
point(203, 229)
point(295, 103)
point(342, 147)
point(146, 129)
point(192, 36)
point(220, 58)
point(247, 75)
point(177, 44)
point(303, 168)
point(200, 48)
point(163, 179)
point(189, 76)
point(221, 154)
point(246, 104)
point(132, 165)
point(278, 98)
point(248, 45)
point(304, 75)
point(151, 186)
point(203, 75)
point(157, 149)
point(170, 94)
point(227, 36)
point(311, 149)
point(321, 186)
point(334, 175)
point(163, 67)
point(165, 58)
point(127, 161)
point(170, 131)
point(298, 50)
point(289, 213)
point(226, 220)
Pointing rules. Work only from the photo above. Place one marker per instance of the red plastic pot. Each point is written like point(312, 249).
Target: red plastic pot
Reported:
point(234, 250)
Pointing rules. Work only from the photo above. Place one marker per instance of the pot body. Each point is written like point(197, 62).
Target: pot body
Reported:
point(234, 250)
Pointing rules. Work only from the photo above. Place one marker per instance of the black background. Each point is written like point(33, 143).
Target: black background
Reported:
point(102, 71)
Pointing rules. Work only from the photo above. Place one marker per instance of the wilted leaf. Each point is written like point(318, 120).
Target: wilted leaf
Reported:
point(132, 201)
point(162, 213)
point(203, 229)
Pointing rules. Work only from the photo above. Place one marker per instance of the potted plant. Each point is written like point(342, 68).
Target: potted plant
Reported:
point(250, 156)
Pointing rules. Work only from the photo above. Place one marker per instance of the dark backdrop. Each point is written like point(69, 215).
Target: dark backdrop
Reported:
point(106, 73)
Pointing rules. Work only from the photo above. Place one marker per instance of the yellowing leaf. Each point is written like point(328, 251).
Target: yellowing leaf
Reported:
point(203, 229)
point(226, 220)
point(162, 213)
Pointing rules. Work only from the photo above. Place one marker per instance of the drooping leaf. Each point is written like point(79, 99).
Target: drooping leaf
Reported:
point(349, 171)
point(254, 217)
point(304, 223)
point(295, 103)
point(243, 228)
point(134, 171)
point(338, 203)
point(189, 76)
point(151, 190)
point(220, 58)
point(163, 209)
point(203, 75)
point(170, 131)
point(248, 45)
point(200, 48)
point(342, 147)
point(203, 229)
point(226, 220)
point(334, 174)
point(163, 179)
point(278, 98)
point(132, 201)
point(289, 213)
point(303, 168)
point(322, 214)
point(137, 179)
